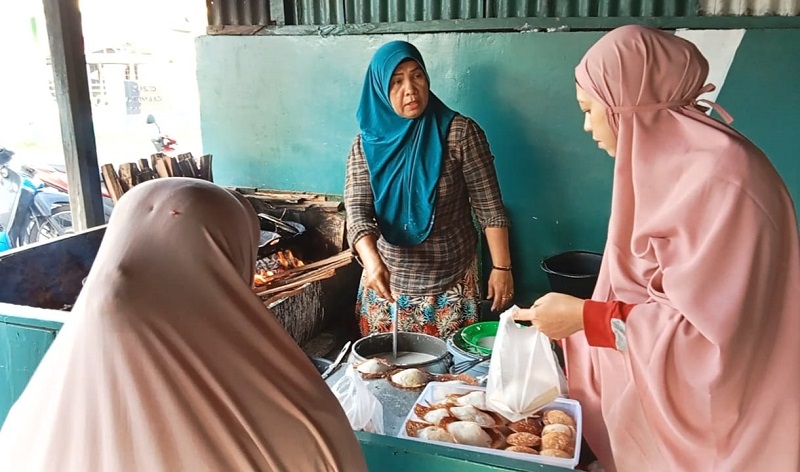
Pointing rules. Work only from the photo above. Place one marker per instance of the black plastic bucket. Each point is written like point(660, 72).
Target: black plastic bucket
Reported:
point(573, 272)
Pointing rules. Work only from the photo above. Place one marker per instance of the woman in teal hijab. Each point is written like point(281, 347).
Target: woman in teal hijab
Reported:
point(415, 175)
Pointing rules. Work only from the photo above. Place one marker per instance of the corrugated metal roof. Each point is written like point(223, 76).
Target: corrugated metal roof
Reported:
point(750, 7)
point(589, 8)
point(385, 11)
point(238, 12)
point(314, 12)
point(340, 12)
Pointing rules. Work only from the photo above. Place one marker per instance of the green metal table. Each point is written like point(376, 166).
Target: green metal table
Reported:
point(26, 336)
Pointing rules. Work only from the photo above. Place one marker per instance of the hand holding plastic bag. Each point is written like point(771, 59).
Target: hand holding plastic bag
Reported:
point(524, 375)
point(361, 406)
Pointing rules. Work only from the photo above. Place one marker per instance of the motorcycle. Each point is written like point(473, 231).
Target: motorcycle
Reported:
point(163, 143)
point(55, 175)
point(30, 211)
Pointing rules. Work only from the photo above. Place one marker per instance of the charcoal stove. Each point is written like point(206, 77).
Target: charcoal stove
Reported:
point(320, 297)
point(50, 275)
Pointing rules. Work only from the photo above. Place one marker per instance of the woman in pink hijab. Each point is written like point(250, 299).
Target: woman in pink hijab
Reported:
point(170, 363)
point(686, 358)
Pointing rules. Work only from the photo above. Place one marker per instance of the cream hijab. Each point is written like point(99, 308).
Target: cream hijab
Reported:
point(170, 363)
point(703, 238)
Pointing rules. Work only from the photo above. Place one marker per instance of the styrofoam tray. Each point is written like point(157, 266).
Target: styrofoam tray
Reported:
point(435, 392)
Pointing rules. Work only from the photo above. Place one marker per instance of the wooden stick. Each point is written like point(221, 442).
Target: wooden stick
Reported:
point(112, 182)
point(290, 196)
point(205, 168)
point(196, 166)
point(301, 273)
point(330, 206)
point(173, 167)
point(145, 175)
point(293, 274)
point(299, 281)
point(187, 169)
point(344, 256)
point(155, 158)
point(278, 280)
point(274, 300)
point(127, 175)
point(161, 167)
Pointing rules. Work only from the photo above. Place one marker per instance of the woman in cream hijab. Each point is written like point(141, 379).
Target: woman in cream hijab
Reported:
point(685, 358)
point(170, 363)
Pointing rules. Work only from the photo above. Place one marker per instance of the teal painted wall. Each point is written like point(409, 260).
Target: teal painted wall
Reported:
point(762, 95)
point(279, 112)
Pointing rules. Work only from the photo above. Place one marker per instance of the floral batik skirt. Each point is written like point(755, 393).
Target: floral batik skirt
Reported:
point(438, 314)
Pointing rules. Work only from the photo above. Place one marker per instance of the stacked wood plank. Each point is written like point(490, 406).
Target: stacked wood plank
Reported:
point(278, 199)
point(159, 166)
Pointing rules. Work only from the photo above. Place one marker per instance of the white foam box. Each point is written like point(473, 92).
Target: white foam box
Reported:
point(435, 392)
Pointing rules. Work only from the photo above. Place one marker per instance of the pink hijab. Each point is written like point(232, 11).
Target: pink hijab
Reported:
point(703, 238)
point(170, 363)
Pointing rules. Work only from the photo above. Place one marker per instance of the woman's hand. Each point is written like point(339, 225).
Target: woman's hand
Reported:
point(376, 277)
point(376, 274)
point(501, 289)
point(501, 283)
point(556, 315)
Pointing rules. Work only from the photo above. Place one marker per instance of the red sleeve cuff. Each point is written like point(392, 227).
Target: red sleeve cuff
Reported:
point(597, 322)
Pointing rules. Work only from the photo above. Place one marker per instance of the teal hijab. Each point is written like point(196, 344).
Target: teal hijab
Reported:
point(404, 156)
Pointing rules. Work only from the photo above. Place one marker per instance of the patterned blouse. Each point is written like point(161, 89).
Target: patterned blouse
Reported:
point(468, 182)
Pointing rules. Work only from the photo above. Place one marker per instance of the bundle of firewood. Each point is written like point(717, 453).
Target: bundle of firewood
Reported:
point(160, 165)
point(294, 280)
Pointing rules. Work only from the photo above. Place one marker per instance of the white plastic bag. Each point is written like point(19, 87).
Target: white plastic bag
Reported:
point(361, 406)
point(524, 375)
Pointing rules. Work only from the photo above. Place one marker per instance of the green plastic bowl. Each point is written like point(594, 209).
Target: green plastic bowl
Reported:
point(480, 336)
point(459, 342)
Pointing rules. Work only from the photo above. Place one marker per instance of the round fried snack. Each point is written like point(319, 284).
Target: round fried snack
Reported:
point(559, 428)
point(524, 440)
point(429, 414)
point(435, 433)
point(408, 379)
point(558, 417)
point(527, 425)
point(468, 432)
point(555, 453)
point(374, 368)
point(523, 449)
point(476, 398)
point(463, 378)
point(470, 413)
point(413, 427)
point(558, 441)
